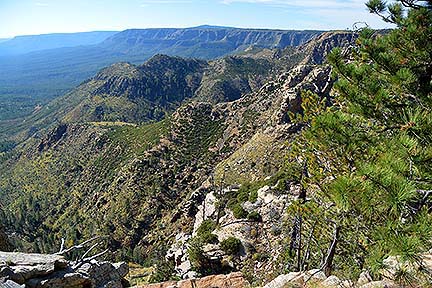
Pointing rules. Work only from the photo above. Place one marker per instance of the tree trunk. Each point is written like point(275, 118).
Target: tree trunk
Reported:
point(299, 245)
point(305, 264)
point(328, 262)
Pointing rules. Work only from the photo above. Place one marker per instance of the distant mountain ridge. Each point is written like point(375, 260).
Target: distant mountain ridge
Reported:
point(205, 42)
point(34, 78)
point(30, 43)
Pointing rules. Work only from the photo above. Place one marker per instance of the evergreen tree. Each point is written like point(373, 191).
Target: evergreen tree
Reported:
point(369, 155)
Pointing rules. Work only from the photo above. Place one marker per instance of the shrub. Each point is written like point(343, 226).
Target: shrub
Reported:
point(238, 211)
point(164, 272)
point(254, 216)
point(210, 238)
point(204, 232)
point(231, 246)
point(243, 192)
point(196, 254)
point(253, 196)
point(261, 257)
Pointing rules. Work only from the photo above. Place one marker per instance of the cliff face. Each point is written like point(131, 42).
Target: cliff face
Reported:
point(204, 42)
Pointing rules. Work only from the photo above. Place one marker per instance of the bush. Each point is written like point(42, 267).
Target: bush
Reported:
point(261, 257)
point(243, 192)
point(164, 272)
point(210, 238)
point(253, 196)
point(238, 211)
point(204, 232)
point(254, 216)
point(197, 257)
point(231, 246)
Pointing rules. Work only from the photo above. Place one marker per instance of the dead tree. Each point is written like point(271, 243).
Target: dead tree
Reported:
point(83, 258)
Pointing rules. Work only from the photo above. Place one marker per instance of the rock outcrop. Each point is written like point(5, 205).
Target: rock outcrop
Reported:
point(233, 280)
point(46, 271)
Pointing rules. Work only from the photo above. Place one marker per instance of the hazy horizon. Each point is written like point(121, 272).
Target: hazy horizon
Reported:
point(36, 17)
point(138, 28)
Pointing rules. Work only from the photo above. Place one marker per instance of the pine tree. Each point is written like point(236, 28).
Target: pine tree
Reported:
point(369, 155)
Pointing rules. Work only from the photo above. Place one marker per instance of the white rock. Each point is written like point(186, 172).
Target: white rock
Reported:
point(315, 274)
point(282, 280)
point(10, 284)
point(332, 281)
point(184, 267)
point(364, 278)
point(205, 210)
point(379, 284)
point(263, 193)
point(190, 275)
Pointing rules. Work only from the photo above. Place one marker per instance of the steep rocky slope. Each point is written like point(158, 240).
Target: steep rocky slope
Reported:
point(144, 184)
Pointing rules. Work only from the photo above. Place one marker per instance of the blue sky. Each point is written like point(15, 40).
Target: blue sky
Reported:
point(28, 17)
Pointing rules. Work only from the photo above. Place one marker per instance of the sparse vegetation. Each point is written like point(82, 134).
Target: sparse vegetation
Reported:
point(205, 232)
point(238, 211)
point(231, 245)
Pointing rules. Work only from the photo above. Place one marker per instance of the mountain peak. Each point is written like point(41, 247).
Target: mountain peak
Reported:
point(212, 27)
point(122, 69)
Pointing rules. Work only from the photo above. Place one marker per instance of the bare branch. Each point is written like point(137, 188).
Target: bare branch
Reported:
point(89, 250)
point(89, 259)
point(77, 247)
point(62, 245)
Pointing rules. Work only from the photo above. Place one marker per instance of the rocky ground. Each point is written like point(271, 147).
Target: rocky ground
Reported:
point(53, 271)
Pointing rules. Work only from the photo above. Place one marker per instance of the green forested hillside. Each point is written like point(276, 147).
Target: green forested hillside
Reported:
point(133, 181)
point(268, 162)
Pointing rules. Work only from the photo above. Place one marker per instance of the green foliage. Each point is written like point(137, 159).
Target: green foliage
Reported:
point(231, 245)
point(261, 257)
point(6, 146)
point(254, 216)
point(366, 155)
point(199, 260)
point(164, 271)
point(253, 196)
point(248, 191)
point(138, 138)
point(204, 232)
point(239, 211)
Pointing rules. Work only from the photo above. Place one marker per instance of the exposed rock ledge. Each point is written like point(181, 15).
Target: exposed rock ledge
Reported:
point(49, 271)
point(233, 280)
